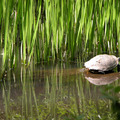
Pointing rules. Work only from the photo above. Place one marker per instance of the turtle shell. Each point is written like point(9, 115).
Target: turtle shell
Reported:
point(102, 62)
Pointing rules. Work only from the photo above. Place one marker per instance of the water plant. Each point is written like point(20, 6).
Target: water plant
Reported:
point(46, 29)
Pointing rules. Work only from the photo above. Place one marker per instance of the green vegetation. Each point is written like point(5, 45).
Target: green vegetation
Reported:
point(48, 30)
point(55, 29)
point(46, 95)
point(113, 93)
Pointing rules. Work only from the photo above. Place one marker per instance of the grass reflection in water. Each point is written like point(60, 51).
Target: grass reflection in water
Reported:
point(53, 93)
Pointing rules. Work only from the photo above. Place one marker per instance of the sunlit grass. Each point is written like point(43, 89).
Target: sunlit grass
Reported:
point(64, 30)
point(44, 30)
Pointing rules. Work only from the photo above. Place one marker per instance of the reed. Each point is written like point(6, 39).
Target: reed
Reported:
point(46, 29)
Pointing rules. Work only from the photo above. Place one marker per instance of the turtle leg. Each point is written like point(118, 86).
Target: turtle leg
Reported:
point(94, 71)
point(100, 71)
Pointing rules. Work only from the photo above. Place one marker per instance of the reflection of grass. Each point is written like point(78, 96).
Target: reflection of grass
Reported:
point(55, 100)
point(112, 93)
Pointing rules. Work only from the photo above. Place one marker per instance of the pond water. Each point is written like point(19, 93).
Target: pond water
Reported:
point(55, 92)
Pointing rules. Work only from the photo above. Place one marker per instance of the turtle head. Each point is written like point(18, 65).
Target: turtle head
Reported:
point(118, 60)
point(118, 66)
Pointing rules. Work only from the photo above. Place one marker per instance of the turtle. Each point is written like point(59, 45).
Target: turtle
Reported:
point(102, 63)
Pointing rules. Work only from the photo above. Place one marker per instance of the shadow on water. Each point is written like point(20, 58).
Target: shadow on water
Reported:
point(59, 92)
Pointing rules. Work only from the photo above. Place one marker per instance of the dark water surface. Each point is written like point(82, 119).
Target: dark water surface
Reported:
point(55, 92)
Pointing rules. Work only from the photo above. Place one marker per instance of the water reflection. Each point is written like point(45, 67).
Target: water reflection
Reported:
point(50, 93)
point(101, 79)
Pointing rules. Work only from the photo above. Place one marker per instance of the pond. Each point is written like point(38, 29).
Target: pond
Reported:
point(62, 91)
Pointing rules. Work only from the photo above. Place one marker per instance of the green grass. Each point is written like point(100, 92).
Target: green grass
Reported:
point(44, 30)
